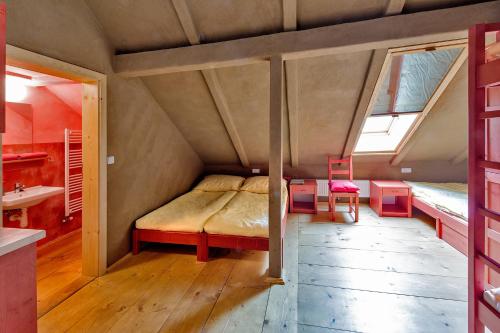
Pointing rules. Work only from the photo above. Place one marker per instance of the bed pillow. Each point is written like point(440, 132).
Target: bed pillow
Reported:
point(220, 183)
point(259, 184)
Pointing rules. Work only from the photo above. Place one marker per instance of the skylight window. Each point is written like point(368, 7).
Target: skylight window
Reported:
point(383, 141)
point(403, 92)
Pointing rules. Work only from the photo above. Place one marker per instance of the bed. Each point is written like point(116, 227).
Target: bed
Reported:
point(448, 204)
point(243, 223)
point(181, 221)
point(236, 215)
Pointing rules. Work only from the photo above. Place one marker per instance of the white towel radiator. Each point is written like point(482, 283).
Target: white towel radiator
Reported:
point(73, 176)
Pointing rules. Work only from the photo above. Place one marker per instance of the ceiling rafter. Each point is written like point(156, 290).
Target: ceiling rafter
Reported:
point(292, 84)
point(212, 81)
point(386, 32)
point(460, 157)
point(375, 69)
point(404, 148)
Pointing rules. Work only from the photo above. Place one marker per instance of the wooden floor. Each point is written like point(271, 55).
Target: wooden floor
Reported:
point(59, 271)
point(380, 275)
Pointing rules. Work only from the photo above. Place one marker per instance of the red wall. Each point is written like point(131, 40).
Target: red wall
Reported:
point(51, 114)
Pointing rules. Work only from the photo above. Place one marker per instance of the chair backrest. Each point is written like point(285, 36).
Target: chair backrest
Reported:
point(347, 162)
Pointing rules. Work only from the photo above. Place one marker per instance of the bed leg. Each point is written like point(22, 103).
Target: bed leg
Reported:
point(135, 241)
point(202, 248)
point(439, 228)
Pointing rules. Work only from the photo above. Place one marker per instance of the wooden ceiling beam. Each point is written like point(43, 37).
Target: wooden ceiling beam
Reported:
point(385, 32)
point(289, 15)
point(212, 81)
point(404, 148)
point(375, 70)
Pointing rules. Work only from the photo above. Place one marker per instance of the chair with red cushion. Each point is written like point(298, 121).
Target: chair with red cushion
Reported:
point(342, 188)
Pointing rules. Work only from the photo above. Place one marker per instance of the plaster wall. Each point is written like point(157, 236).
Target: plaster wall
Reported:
point(154, 163)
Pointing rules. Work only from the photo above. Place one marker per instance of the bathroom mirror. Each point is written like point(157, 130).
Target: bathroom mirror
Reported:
point(18, 136)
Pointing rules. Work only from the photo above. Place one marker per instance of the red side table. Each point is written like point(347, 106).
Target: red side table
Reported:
point(397, 194)
point(309, 187)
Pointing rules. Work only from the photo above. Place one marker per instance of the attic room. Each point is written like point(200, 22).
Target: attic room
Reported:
point(250, 166)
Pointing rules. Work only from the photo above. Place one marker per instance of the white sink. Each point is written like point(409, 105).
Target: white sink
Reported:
point(29, 197)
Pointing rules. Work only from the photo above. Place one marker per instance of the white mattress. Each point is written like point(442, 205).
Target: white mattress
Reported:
point(450, 198)
point(245, 215)
point(187, 213)
point(492, 297)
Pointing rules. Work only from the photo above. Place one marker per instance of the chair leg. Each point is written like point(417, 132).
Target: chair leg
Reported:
point(332, 214)
point(356, 209)
point(350, 204)
point(329, 201)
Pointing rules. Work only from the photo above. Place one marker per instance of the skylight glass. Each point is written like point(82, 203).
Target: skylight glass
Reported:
point(388, 141)
point(404, 91)
point(378, 124)
point(412, 79)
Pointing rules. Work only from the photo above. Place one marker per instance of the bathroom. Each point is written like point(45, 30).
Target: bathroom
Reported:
point(42, 146)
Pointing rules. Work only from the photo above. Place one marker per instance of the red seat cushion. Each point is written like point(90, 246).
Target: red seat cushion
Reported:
point(343, 186)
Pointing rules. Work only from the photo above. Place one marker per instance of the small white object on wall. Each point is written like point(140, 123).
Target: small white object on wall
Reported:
point(111, 159)
point(255, 170)
point(406, 170)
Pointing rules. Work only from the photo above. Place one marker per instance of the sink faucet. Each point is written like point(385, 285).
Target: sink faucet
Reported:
point(18, 187)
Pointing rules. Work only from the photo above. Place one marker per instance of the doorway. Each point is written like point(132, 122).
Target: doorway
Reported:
point(77, 240)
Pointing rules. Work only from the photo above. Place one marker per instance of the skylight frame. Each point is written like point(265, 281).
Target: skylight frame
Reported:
point(459, 43)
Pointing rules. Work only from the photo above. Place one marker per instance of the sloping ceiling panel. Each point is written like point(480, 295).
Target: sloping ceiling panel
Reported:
point(319, 13)
point(186, 99)
point(132, 25)
point(246, 89)
point(329, 88)
point(218, 20)
point(443, 133)
point(412, 6)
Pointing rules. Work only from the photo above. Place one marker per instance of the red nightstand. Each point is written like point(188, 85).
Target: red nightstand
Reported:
point(398, 198)
point(309, 187)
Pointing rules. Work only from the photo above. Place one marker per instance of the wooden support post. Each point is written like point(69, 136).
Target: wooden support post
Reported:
point(275, 166)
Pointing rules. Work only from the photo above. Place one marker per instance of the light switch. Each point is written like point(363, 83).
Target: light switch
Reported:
point(255, 170)
point(111, 159)
point(406, 170)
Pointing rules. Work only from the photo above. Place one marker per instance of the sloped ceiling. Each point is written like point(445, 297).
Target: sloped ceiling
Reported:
point(329, 87)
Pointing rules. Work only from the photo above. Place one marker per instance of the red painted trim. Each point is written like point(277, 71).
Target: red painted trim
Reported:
point(451, 229)
point(238, 242)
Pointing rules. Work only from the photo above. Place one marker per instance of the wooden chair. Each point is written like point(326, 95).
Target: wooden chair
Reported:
point(342, 188)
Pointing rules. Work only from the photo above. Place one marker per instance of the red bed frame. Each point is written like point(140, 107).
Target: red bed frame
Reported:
point(449, 228)
point(203, 240)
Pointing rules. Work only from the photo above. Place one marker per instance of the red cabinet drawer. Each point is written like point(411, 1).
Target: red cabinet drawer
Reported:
point(303, 189)
point(395, 191)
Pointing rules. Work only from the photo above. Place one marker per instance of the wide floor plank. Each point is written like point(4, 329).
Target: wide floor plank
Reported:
point(433, 286)
point(385, 261)
point(365, 311)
